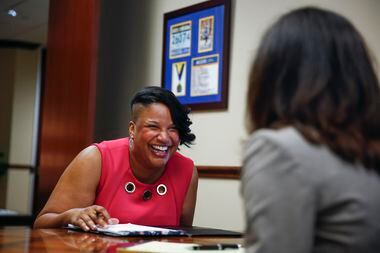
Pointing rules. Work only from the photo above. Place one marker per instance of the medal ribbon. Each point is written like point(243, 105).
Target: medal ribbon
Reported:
point(179, 67)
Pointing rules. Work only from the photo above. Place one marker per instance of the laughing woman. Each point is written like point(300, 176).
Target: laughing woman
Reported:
point(141, 179)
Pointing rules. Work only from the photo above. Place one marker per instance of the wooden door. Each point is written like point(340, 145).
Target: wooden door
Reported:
point(68, 99)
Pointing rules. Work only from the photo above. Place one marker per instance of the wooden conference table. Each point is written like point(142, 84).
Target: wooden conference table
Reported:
point(25, 239)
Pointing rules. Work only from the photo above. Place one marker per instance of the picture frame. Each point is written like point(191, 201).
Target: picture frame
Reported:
point(195, 55)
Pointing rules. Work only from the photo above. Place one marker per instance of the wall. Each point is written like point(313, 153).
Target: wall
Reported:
point(131, 41)
point(20, 86)
point(123, 60)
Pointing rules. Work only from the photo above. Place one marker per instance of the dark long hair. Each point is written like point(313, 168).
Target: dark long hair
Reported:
point(179, 113)
point(313, 71)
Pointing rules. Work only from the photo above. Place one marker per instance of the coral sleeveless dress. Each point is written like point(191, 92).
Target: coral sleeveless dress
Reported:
point(128, 204)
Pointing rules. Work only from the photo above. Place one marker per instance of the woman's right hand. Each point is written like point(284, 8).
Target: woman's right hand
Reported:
point(89, 218)
point(76, 187)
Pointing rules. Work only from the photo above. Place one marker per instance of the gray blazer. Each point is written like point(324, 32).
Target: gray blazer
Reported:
point(303, 198)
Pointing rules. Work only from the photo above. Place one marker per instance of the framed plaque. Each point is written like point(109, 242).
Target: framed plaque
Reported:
point(196, 54)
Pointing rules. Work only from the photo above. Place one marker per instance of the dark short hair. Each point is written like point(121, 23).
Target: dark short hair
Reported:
point(313, 71)
point(153, 94)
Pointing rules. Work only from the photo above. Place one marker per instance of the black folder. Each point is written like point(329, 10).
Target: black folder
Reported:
point(206, 231)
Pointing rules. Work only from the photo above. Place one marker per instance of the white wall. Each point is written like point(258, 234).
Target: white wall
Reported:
point(23, 130)
point(220, 135)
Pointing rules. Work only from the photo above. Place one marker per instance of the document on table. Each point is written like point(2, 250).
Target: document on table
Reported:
point(171, 247)
point(130, 229)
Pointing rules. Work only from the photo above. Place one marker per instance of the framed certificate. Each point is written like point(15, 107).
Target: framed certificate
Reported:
point(196, 54)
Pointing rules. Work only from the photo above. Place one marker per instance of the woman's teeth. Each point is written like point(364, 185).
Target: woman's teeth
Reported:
point(160, 148)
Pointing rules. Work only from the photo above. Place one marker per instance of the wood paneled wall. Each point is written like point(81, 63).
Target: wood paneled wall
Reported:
point(68, 103)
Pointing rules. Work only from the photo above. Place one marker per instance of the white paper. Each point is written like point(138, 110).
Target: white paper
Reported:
point(204, 76)
point(132, 227)
point(172, 247)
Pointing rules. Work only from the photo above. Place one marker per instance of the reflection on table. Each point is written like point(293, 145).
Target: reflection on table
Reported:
point(24, 239)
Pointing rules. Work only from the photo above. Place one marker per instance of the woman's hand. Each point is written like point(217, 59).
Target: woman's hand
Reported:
point(89, 218)
point(76, 188)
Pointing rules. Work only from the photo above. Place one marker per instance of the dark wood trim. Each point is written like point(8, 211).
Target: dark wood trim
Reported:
point(20, 167)
point(16, 220)
point(19, 44)
point(220, 172)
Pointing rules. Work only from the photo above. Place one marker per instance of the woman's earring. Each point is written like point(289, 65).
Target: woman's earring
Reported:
point(131, 142)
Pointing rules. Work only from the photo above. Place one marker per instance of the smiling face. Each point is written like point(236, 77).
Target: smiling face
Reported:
point(155, 137)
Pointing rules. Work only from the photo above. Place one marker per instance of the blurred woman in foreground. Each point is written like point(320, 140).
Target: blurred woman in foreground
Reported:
point(311, 171)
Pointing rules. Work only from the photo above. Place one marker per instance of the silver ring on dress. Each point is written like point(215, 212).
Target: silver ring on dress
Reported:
point(130, 187)
point(161, 189)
